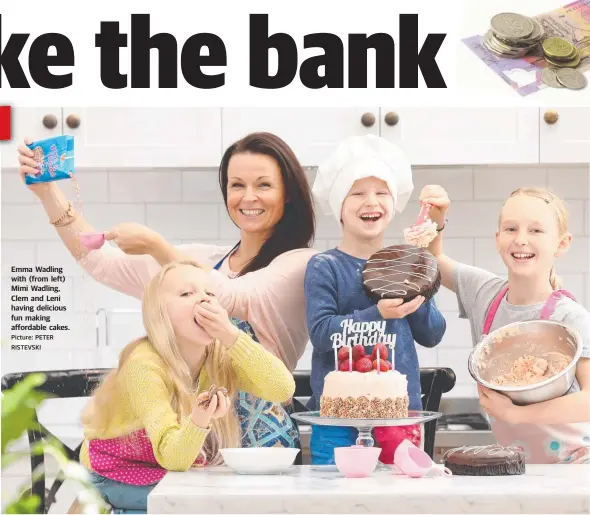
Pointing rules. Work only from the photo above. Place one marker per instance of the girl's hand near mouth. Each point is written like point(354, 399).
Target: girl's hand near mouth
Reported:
point(215, 320)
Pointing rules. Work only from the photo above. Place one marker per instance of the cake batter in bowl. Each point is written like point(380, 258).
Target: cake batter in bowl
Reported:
point(529, 362)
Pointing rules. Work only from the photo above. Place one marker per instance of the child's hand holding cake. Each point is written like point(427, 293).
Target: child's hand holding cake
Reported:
point(210, 405)
point(396, 308)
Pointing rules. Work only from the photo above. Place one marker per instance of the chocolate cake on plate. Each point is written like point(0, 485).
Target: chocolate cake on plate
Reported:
point(485, 460)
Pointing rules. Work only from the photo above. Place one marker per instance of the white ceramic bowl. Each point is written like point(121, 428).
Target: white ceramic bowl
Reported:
point(259, 460)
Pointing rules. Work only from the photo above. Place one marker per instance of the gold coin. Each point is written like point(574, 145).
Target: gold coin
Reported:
point(564, 64)
point(557, 47)
point(569, 57)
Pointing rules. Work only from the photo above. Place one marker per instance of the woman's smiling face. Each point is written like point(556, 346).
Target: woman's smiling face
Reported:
point(255, 192)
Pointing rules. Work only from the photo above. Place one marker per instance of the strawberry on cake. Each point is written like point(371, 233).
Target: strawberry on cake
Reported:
point(364, 393)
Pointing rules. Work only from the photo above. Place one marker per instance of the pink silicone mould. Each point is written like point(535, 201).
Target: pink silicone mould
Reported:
point(414, 462)
point(92, 240)
point(356, 461)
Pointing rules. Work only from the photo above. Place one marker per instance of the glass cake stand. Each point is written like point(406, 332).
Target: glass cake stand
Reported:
point(364, 425)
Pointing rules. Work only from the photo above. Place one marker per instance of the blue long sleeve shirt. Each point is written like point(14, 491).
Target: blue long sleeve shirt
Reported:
point(335, 299)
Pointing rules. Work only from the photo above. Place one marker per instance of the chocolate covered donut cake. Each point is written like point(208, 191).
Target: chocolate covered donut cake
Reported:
point(401, 272)
point(485, 460)
point(210, 393)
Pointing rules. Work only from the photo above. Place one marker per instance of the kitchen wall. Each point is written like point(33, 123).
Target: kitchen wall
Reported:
point(186, 206)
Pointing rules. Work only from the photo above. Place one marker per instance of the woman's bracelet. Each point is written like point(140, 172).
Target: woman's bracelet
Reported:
point(66, 218)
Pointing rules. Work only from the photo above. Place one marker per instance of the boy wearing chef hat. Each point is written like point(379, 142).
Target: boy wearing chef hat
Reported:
point(363, 184)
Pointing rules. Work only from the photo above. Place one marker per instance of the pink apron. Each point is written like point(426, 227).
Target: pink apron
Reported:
point(542, 444)
point(546, 311)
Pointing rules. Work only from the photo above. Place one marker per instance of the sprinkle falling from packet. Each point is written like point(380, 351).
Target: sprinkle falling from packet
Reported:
point(423, 231)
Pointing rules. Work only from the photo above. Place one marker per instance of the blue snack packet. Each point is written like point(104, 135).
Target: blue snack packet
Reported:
point(55, 157)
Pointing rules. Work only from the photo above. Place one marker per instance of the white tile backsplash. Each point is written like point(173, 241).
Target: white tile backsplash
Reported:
point(184, 221)
point(571, 182)
point(92, 186)
point(91, 296)
point(106, 215)
point(17, 254)
point(458, 182)
point(145, 186)
point(26, 222)
point(455, 359)
point(186, 206)
point(576, 222)
point(327, 227)
point(14, 191)
point(201, 186)
point(227, 228)
point(458, 333)
point(495, 183)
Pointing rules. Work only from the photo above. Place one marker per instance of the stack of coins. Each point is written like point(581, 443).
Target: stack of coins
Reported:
point(561, 53)
point(563, 57)
point(513, 35)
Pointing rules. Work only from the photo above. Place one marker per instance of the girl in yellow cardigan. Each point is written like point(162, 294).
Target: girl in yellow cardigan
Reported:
point(154, 412)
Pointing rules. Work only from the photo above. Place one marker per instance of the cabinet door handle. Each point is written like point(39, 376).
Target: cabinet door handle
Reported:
point(391, 118)
point(368, 119)
point(73, 121)
point(551, 117)
point(50, 121)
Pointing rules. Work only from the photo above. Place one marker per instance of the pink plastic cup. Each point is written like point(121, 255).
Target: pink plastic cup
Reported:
point(414, 462)
point(356, 461)
point(92, 240)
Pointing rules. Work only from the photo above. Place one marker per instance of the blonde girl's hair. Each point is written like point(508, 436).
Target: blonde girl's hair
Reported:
point(561, 215)
point(160, 336)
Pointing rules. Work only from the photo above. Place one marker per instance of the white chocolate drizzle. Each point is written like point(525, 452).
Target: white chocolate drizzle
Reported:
point(493, 450)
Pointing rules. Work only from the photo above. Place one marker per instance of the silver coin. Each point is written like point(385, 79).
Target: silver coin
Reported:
point(499, 47)
point(571, 78)
point(529, 41)
point(497, 52)
point(538, 31)
point(549, 77)
point(512, 25)
point(536, 35)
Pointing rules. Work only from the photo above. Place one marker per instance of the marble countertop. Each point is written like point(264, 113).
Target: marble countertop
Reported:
point(313, 489)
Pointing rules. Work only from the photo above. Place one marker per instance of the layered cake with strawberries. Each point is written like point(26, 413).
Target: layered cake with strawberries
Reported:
point(364, 392)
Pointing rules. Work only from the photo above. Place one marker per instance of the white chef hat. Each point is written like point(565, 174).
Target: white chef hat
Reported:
point(358, 157)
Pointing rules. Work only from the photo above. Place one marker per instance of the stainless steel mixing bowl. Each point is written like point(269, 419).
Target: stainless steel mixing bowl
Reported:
point(495, 354)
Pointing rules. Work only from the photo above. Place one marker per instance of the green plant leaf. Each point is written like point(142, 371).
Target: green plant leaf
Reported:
point(26, 504)
point(16, 396)
point(18, 408)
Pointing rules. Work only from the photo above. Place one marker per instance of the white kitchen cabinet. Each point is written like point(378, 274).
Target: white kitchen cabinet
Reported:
point(123, 137)
point(312, 133)
point(565, 134)
point(31, 122)
point(463, 136)
point(197, 137)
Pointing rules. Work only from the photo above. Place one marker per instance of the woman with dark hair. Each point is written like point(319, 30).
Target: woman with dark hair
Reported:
point(259, 281)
